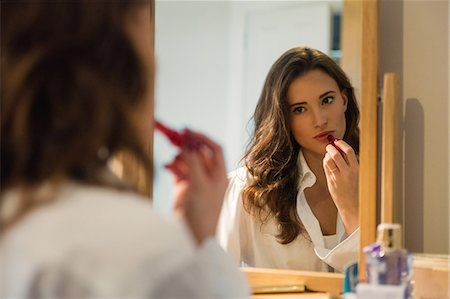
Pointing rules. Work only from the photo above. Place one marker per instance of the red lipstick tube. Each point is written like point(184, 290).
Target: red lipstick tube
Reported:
point(179, 139)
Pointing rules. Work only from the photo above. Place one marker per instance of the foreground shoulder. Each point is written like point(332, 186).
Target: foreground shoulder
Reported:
point(97, 238)
point(128, 210)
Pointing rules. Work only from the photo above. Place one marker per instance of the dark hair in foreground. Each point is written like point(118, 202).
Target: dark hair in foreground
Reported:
point(70, 81)
point(271, 157)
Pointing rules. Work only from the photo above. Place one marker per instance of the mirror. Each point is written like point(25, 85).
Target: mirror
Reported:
point(419, 197)
point(212, 59)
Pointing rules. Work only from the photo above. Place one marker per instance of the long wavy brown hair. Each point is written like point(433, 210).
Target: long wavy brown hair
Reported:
point(71, 81)
point(271, 157)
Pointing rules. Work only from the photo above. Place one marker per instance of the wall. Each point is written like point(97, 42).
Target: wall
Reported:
point(191, 44)
point(414, 42)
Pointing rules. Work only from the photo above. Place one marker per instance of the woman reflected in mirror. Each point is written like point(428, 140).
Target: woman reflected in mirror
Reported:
point(294, 205)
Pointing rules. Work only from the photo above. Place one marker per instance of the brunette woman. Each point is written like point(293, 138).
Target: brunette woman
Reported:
point(77, 87)
point(295, 203)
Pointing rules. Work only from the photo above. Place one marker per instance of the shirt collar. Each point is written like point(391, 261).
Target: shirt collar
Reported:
point(306, 177)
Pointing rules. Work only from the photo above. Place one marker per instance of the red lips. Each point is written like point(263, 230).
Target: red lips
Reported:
point(323, 134)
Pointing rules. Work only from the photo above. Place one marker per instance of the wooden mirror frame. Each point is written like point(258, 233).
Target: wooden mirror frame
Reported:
point(360, 61)
point(368, 140)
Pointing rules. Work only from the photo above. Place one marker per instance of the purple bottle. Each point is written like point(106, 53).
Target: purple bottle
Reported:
point(387, 262)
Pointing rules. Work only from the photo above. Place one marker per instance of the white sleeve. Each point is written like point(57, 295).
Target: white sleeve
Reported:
point(343, 254)
point(229, 225)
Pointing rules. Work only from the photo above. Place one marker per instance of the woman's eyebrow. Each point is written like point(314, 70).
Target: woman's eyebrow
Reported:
point(297, 103)
point(321, 96)
point(326, 93)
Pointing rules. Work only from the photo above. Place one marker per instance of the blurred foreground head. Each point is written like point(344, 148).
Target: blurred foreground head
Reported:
point(76, 87)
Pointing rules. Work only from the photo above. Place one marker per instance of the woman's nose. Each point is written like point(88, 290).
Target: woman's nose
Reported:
point(320, 118)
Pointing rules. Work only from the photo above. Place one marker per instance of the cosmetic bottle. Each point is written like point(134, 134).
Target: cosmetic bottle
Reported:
point(387, 262)
point(393, 255)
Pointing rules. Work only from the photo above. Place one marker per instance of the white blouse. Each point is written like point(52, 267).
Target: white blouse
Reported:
point(255, 245)
point(94, 242)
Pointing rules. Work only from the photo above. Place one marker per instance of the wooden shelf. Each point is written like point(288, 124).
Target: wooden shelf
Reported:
point(325, 285)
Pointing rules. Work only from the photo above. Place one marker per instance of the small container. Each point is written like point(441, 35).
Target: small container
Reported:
point(393, 254)
point(387, 263)
point(373, 265)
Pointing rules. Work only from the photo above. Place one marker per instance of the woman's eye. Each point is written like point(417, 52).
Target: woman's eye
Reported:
point(327, 100)
point(298, 110)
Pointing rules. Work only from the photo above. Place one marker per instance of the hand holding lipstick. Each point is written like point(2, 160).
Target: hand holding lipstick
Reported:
point(200, 180)
point(342, 173)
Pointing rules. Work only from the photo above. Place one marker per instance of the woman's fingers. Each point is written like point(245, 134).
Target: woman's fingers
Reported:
point(336, 157)
point(180, 197)
point(199, 198)
point(211, 152)
point(344, 156)
point(331, 170)
point(348, 151)
point(329, 164)
point(178, 168)
point(195, 169)
point(202, 159)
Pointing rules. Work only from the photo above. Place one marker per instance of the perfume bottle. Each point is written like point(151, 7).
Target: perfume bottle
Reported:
point(388, 263)
point(392, 254)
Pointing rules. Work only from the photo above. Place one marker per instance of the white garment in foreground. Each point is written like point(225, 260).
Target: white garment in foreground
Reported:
point(100, 243)
point(254, 245)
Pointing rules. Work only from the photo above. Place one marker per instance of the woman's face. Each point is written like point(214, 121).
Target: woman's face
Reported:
point(316, 109)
